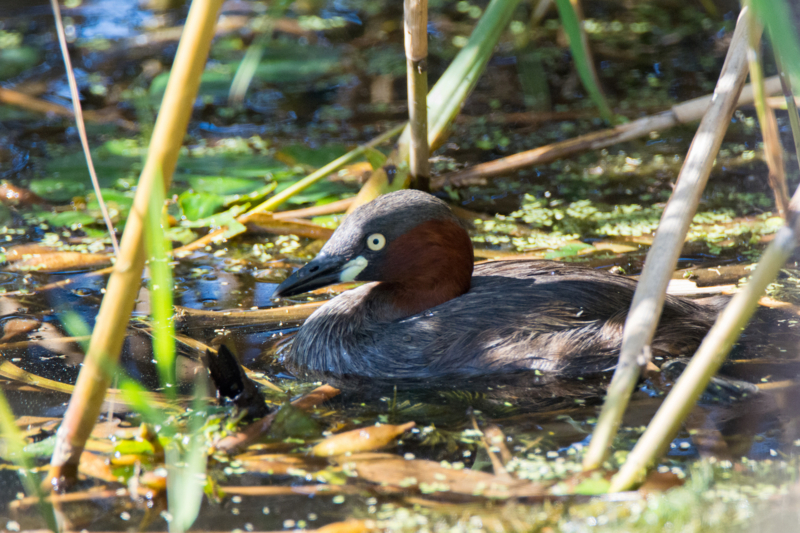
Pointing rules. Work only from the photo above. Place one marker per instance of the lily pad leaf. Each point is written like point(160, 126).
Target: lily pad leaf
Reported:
point(199, 205)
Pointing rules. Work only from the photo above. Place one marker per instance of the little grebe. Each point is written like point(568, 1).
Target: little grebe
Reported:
point(433, 312)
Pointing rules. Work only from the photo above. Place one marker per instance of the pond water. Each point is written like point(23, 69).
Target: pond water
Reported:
point(331, 76)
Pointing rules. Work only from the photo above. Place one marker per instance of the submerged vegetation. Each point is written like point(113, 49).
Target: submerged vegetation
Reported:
point(288, 89)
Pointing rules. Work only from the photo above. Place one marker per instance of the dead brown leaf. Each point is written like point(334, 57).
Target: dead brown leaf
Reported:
point(432, 477)
point(360, 440)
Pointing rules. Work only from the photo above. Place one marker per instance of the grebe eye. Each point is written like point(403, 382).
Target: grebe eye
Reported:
point(376, 242)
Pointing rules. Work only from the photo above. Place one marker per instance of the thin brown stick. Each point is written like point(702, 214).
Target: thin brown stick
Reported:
point(416, 44)
point(648, 300)
point(340, 206)
point(680, 114)
point(24, 101)
point(125, 281)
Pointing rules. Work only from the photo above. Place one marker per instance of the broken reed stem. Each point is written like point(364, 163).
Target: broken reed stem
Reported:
point(773, 151)
point(648, 299)
point(683, 113)
point(78, 111)
point(707, 360)
point(125, 281)
point(416, 44)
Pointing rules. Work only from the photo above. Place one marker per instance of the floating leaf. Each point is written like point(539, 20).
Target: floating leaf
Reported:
point(14, 61)
point(593, 486)
point(223, 185)
point(234, 165)
point(199, 205)
point(570, 250)
point(69, 219)
point(59, 189)
point(291, 422)
point(302, 154)
point(323, 191)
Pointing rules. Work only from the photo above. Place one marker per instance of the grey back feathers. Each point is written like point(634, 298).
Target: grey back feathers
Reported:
point(557, 318)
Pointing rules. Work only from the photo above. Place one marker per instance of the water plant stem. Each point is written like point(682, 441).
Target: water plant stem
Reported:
point(78, 111)
point(125, 281)
point(416, 44)
point(648, 300)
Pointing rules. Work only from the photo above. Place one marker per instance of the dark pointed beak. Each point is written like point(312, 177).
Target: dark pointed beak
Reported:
point(322, 271)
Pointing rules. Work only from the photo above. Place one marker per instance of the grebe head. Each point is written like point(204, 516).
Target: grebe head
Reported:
point(408, 240)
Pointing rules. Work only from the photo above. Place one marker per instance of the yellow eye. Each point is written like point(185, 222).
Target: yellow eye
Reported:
point(376, 242)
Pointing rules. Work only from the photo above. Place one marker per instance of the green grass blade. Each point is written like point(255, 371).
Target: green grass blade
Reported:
point(16, 450)
point(187, 469)
point(160, 286)
point(448, 95)
point(781, 24)
point(579, 46)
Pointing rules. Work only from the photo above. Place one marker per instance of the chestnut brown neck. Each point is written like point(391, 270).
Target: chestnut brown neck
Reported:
point(426, 267)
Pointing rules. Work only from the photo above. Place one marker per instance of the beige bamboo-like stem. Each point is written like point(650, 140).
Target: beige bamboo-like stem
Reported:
point(648, 300)
point(683, 113)
point(773, 151)
point(705, 363)
point(125, 281)
point(416, 44)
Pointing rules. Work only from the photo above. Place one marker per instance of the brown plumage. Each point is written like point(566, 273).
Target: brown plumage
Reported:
point(432, 313)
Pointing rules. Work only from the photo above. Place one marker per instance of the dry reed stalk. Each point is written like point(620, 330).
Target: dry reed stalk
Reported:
point(684, 113)
point(709, 357)
point(416, 44)
point(293, 315)
point(648, 300)
point(773, 151)
point(125, 281)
